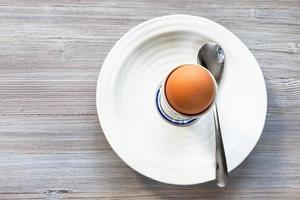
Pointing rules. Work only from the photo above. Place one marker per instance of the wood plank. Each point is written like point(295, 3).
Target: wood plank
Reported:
point(48, 97)
point(153, 5)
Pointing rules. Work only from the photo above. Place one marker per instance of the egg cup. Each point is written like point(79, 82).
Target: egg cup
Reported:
point(170, 114)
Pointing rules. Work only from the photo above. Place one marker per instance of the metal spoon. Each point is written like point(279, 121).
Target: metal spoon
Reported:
point(211, 56)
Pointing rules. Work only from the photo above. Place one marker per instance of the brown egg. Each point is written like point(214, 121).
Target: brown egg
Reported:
point(190, 89)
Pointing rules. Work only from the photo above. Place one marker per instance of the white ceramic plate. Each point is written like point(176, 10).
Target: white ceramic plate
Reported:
point(127, 85)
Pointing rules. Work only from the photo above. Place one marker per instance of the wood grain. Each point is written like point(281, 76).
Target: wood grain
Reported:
point(51, 143)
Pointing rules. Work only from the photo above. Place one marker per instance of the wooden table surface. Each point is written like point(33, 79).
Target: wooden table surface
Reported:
point(51, 143)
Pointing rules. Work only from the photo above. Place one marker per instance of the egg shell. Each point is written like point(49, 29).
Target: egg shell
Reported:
point(190, 89)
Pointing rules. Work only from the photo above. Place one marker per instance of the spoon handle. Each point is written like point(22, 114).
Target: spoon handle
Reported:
point(221, 165)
